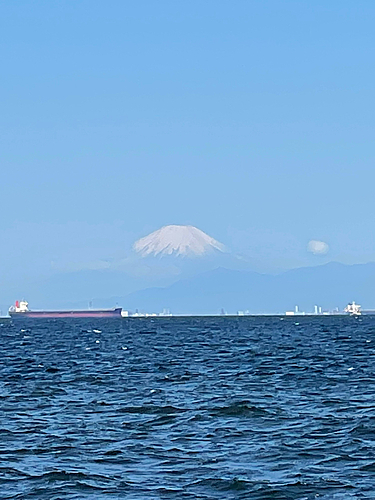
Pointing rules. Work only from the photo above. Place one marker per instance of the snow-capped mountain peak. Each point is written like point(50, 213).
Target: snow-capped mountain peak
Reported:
point(177, 240)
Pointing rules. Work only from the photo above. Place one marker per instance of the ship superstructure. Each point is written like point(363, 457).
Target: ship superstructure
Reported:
point(353, 309)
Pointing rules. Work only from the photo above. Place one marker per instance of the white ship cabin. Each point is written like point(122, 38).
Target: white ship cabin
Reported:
point(353, 309)
point(20, 306)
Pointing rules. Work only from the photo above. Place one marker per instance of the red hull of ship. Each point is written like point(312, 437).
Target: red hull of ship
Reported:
point(113, 313)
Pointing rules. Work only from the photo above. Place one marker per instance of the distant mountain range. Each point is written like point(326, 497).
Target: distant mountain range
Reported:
point(329, 286)
point(185, 270)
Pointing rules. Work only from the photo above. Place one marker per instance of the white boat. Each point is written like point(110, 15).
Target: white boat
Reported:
point(353, 309)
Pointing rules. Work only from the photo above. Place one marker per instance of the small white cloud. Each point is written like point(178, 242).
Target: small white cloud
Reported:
point(317, 247)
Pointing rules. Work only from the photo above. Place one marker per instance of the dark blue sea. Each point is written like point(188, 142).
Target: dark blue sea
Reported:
point(188, 408)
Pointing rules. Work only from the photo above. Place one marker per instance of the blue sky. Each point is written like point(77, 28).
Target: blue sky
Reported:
point(252, 120)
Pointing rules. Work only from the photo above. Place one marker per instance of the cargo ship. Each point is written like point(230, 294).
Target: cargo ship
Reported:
point(21, 310)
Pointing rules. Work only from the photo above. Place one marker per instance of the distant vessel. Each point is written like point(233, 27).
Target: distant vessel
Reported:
point(21, 310)
point(353, 309)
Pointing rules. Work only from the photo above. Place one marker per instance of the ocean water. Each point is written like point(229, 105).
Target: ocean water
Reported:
point(188, 408)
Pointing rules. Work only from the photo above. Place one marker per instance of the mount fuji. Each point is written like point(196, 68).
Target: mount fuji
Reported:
point(185, 241)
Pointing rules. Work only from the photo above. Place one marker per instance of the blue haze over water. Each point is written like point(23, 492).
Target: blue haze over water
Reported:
point(188, 408)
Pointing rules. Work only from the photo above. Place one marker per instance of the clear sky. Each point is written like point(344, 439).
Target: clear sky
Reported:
point(252, 120)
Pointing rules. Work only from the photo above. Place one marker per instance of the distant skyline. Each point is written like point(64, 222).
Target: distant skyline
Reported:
point(252, 121)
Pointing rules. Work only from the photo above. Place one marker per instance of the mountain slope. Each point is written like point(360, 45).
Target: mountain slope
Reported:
point(332, 285)
point(177, 240)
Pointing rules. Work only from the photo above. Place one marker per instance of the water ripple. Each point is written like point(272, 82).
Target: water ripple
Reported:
point(188, 408)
